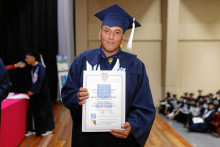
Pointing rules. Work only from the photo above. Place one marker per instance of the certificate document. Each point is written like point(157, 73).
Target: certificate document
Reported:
point(197, 120)
point(105, 107)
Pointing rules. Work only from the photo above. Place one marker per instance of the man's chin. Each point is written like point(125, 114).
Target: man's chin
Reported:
point(110, 50)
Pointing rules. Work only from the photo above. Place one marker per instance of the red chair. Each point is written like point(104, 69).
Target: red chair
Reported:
point(216, 123)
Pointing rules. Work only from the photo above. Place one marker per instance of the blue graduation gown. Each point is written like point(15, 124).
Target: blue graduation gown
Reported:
point(5, 84)
point(40, 105)
point(201, 127)
point(140, 110)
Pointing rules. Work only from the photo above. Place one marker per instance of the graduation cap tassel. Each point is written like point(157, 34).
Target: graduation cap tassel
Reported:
point(42, 60)
point(129, 45)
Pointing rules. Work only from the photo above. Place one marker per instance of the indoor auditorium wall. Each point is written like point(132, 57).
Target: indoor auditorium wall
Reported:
point(199, 46)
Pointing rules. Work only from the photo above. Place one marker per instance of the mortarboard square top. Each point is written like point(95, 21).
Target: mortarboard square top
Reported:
point(115, 16)
point(32, 53)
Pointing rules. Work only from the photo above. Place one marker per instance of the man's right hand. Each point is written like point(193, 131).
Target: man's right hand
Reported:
point(82, 95)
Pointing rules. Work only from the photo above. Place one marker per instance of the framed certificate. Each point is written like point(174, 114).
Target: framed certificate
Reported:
point(105, 107)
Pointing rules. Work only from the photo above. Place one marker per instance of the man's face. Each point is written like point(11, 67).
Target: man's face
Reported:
point(207, 98)
point(211, 107)
point(30, 59)
point(111, 38)
point(215, 102)
point(200, 106)
point(192, 102)
point(201, 99)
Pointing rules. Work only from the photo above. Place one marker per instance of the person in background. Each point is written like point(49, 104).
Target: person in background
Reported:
point(211, 96)
point(216, 104)
point(171, 105)
point(174, 107)
point(40, 115)
point(163, 103)
point(207, 116)
point(191, 96)
point(14, 66)
point(181, 101)
point(195, 112)
point(5, 84)
point(183, 113)
point(199, 94)
point(185, 97)
point(200, 100)
point(207, 101)
point(218, 97)
point(194, 109)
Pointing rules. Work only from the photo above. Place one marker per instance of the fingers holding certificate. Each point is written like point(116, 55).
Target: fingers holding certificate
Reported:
point(82, 95)
point(105, 108)
point(122, 133)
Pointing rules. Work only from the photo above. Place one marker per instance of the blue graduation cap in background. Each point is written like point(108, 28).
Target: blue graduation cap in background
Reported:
point(116, 16)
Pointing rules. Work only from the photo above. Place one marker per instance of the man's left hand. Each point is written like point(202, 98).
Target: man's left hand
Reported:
point(122, 133)
point(30, 93)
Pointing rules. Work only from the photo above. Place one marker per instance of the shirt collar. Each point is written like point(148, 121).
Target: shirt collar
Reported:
point(112, 56)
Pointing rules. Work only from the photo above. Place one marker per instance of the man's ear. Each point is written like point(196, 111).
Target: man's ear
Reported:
point(123, 37)
point(100, 35)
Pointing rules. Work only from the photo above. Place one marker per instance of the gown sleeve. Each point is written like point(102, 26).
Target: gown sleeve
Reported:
point(36, 87)
point(70, 89)
point(142, 113)
point(210, 117)
point(10, 67)
point(5, 84)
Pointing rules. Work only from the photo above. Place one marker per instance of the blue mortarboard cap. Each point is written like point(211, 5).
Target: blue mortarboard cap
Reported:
point(37, 56)
point(201, 103)
point(33, 53)
point(210, 103)
point(115, 16)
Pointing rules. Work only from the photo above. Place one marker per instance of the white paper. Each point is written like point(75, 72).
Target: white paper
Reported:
point(105, 107)
point(197, 120)
point(18, 96)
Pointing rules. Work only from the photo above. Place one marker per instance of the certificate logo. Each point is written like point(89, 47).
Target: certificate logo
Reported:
point(104, 90)
point(104, 76)
point(93, 118)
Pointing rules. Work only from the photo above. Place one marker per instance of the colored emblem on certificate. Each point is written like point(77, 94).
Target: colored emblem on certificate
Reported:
point(104, 90)
point(105, 107)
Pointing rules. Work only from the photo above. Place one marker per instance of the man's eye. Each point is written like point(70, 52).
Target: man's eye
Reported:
point(106, 31)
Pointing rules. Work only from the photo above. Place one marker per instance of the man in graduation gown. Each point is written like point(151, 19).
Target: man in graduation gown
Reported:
point(207, 116)
point(5, 84)
point(140, 110)
point(40, 114)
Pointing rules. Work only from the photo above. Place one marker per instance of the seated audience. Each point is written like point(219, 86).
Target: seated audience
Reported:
point(195, 114)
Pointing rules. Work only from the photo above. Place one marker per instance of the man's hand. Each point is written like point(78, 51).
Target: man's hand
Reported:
point(122, 133)
point(30, 93)
point(82, 95)
point(20, 64)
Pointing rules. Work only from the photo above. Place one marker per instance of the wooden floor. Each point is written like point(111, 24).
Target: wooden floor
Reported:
point(162, 135)
point(62, 132)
